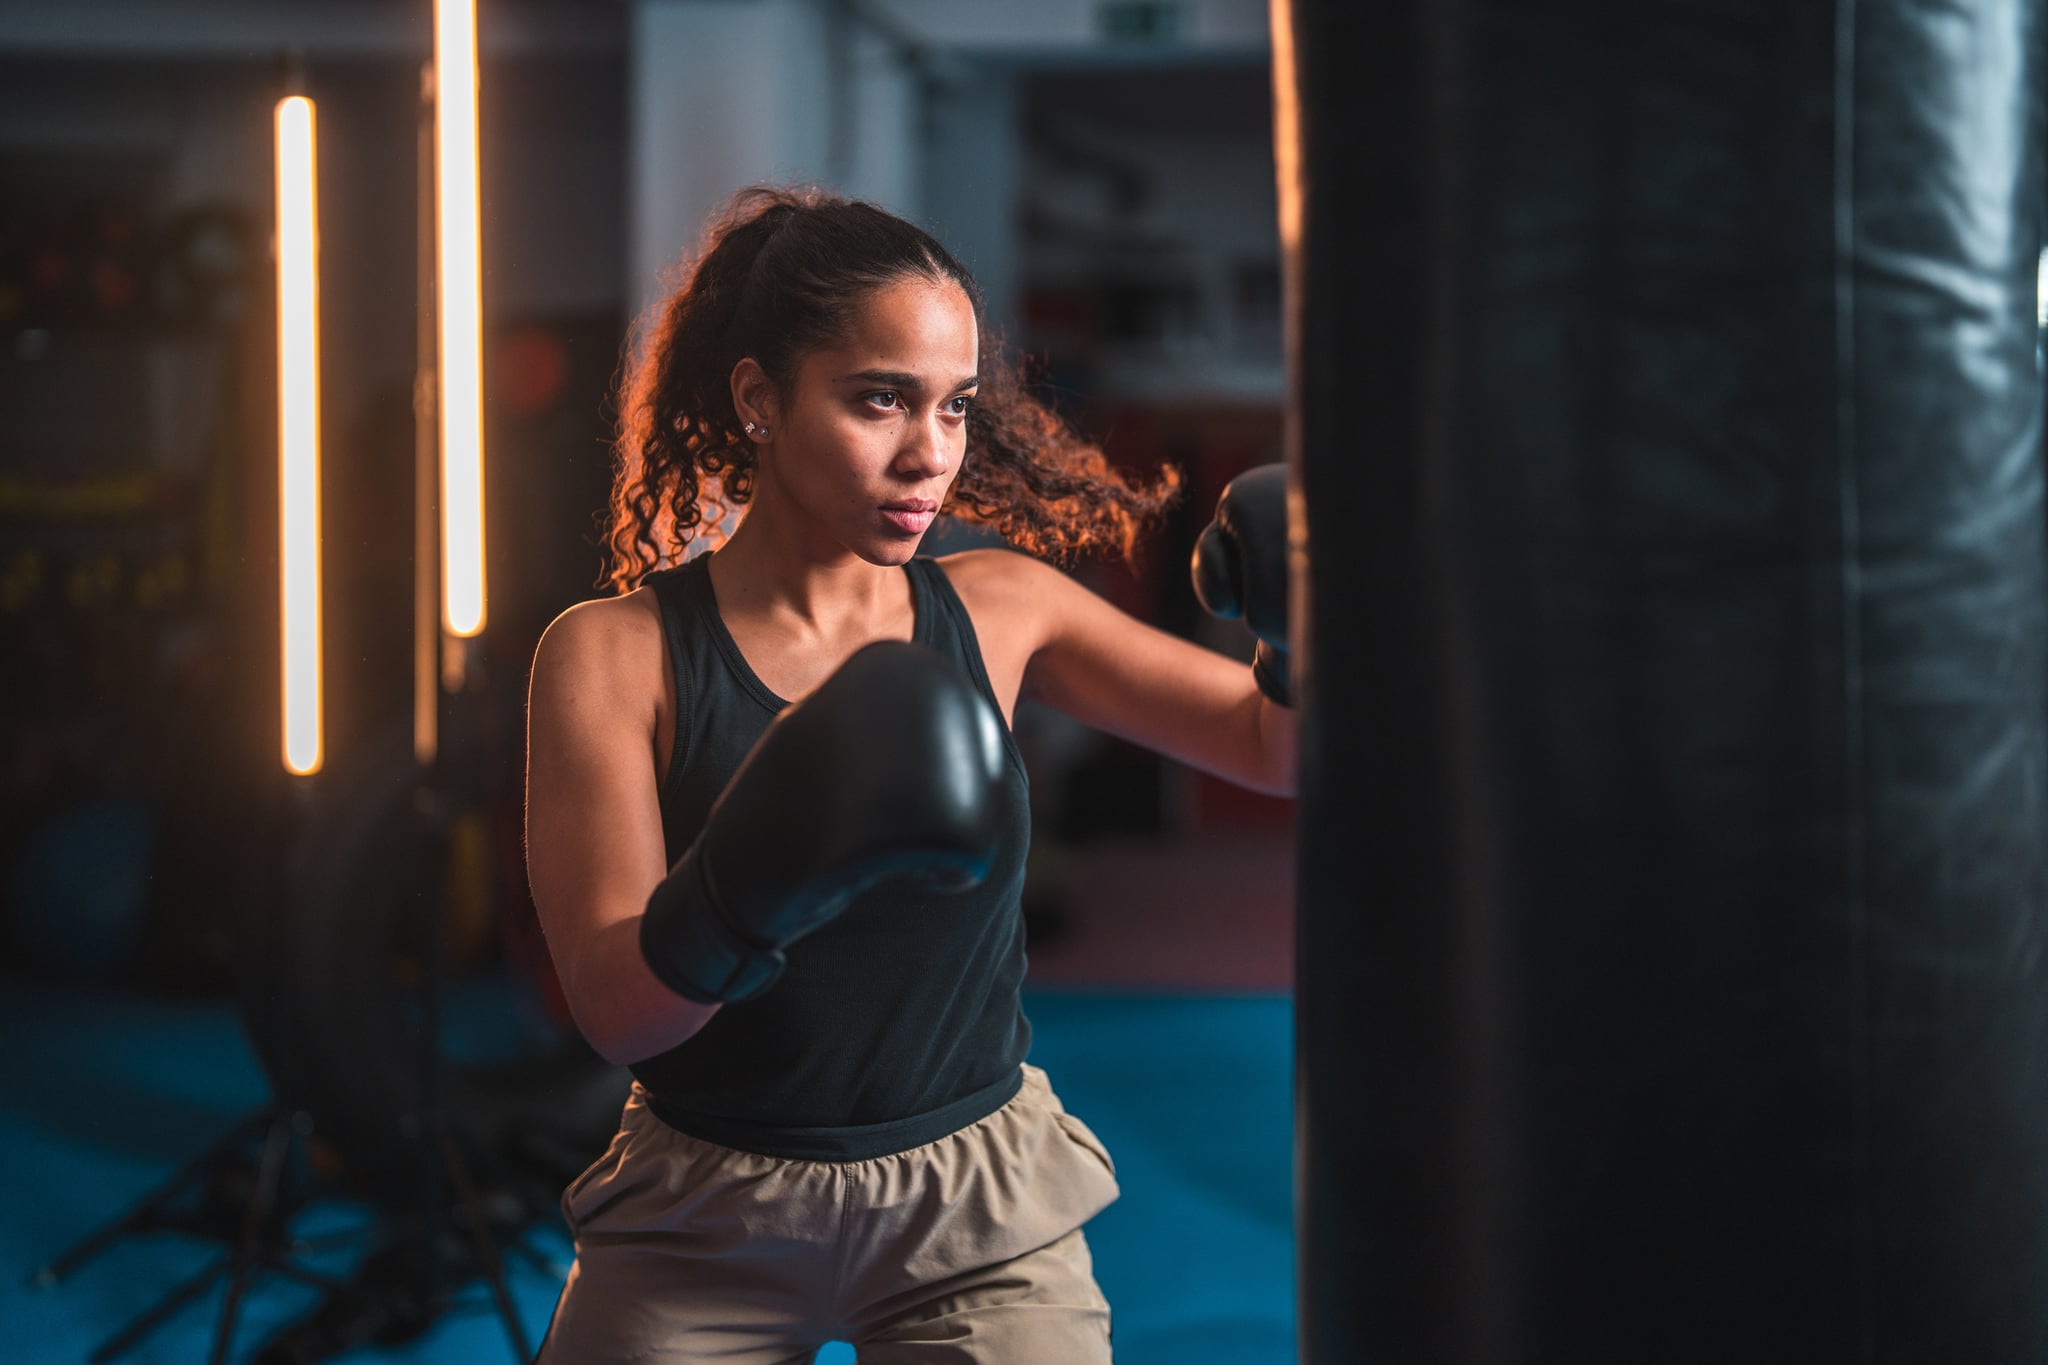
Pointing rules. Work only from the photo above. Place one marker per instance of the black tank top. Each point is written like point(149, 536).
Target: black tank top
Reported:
point(897, 1023)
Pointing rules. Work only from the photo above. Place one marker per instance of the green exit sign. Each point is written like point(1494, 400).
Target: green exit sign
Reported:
point(1138, 21)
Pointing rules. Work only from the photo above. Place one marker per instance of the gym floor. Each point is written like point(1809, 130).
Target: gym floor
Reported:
point(1159, 1010)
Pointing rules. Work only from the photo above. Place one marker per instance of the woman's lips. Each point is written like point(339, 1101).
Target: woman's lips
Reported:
point(910, 517)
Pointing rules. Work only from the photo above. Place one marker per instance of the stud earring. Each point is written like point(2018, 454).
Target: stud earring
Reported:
point(751, 428)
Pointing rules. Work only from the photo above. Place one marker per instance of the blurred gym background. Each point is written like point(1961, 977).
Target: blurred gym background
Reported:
point(284, 1053)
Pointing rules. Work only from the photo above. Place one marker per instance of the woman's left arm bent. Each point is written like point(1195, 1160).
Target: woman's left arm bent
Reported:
point(1085, 657)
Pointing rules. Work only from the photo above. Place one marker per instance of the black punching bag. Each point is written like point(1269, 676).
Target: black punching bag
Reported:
point(1673, 951)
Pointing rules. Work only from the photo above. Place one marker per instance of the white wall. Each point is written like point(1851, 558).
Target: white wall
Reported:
point(972, 161)
point(882, 158)
point(729, 93)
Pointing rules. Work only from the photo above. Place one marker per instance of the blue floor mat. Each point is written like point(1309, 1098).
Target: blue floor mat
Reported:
point(102, 1096)
point(1193, 1097)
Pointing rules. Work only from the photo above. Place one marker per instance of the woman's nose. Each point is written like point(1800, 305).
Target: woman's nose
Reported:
point(926, 447)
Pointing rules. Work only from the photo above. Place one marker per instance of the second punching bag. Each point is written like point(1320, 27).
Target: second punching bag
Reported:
point(1674, 947)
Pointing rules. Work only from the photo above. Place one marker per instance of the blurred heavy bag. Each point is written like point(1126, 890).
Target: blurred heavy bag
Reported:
point(391, 987)
point(1674, 952)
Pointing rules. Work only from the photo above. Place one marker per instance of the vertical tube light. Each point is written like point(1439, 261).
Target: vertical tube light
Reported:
point(298, 433)
point(2041, 290)
point(461, 320)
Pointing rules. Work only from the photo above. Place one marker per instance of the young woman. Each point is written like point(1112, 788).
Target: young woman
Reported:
point(833, 1131)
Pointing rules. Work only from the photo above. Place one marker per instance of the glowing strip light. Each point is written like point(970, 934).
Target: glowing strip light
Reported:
point(298, 433)
point(461, 318)
point(2041, 290)
point(1286, 124)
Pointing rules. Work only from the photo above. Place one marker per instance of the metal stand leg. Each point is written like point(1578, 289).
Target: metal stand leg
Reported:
point(256, 1249)
point(471, 1213)
point(149, 1214)
point(258, 1235)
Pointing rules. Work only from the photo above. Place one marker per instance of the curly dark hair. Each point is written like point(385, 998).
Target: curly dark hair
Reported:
point(781, 273)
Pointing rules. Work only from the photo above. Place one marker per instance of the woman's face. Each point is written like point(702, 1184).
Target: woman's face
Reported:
point(875, 428)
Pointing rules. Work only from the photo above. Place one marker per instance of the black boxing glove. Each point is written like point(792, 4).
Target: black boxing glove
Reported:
point(892, 767)
point(1240, 570)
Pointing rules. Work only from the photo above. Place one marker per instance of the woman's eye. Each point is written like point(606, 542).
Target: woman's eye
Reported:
point(959, 405)
point(882, 398)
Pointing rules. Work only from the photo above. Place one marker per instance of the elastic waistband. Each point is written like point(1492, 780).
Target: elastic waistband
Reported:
point(864, 1142)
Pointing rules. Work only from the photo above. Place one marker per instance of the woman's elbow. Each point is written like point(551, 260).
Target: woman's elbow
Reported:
point(621, 1008)
point(616, 1044)
point(624, 1040)
point(603, 1026)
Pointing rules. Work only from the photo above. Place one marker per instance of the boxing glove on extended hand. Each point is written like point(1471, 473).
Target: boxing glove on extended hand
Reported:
point(1240, 570)
point(892, 767)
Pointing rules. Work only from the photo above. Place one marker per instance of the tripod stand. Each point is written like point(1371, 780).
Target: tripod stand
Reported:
point(348, 1017)
point(242, 1192)
point(341, 980)
point(449, 1235)
point(242, 1201)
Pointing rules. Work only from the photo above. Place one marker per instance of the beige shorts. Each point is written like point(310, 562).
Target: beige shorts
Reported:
point(968, 1249)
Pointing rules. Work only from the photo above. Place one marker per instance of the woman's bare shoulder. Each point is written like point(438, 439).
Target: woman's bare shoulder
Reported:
point(999, 572)
point(1009, 584)
point(610, 641)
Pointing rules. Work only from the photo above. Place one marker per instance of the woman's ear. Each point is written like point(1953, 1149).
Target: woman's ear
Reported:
point(753, 398)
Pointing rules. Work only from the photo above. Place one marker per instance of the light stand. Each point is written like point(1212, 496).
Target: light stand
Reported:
point(416, 1275)
point(450, 1230)
point(224, 1193)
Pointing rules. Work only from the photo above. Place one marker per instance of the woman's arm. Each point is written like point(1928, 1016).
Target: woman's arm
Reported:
point(1105, 668)
point(594, 849)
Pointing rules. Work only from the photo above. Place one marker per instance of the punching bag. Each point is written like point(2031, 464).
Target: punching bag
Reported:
point(1666, 431)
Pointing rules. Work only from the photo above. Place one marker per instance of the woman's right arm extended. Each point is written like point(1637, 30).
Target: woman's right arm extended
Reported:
point(594, 848)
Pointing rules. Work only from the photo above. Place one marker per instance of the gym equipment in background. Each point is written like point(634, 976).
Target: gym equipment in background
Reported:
point(411, 1036)
point(417, 1063)
point(397, 1008)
